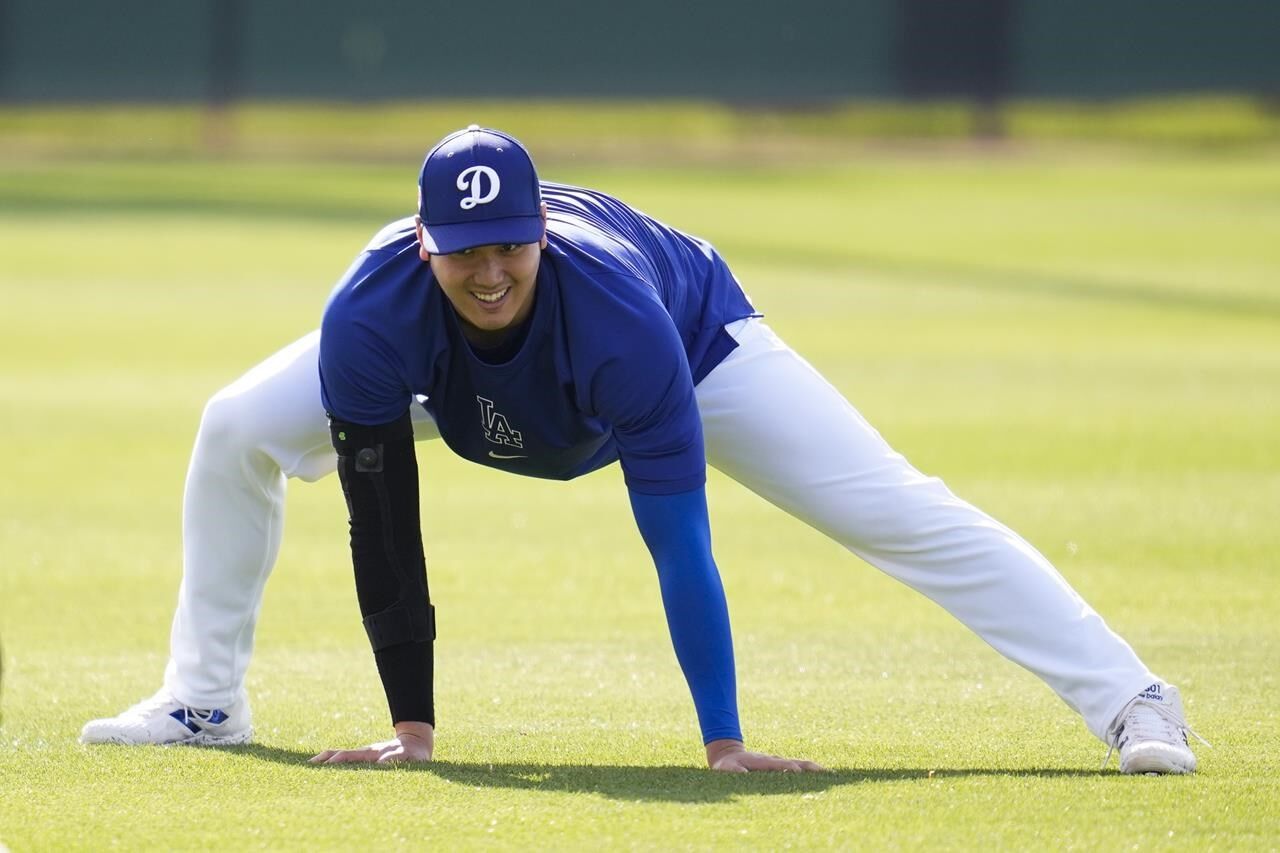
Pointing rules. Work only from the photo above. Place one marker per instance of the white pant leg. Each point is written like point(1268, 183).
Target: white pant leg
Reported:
point(775, 425)
point(267, 425)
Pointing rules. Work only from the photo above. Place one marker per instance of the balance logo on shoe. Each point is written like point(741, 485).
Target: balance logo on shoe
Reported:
point(1152, 694)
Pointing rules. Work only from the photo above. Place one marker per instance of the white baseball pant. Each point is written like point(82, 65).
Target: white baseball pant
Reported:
point(758, 407)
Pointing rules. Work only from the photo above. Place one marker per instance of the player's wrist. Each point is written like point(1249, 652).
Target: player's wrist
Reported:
point(718, 749)
point(424, 732)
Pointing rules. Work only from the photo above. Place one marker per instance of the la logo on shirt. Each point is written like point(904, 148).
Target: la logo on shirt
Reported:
point(496, 427)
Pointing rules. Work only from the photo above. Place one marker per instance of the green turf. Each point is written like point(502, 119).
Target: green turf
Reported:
point(1087, 344)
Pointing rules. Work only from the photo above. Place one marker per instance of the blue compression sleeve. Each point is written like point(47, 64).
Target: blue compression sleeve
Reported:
point(678, 533)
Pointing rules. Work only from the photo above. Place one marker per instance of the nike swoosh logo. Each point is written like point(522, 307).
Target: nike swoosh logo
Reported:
point(500, 456)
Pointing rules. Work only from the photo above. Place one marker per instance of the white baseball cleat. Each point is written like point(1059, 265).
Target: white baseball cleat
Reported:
point(163, 720)
point(1151, 734)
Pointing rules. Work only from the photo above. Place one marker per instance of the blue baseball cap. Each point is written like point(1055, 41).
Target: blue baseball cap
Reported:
point(478, 187)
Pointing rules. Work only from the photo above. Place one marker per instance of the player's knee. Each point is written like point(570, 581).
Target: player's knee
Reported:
point(230, 425)
point(930, 521)
point(916, 516)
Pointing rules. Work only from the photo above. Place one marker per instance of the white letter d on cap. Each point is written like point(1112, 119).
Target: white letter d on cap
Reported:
point(472, 180)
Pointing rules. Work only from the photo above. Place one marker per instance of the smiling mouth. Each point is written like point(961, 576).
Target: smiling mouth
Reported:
point(491, 298)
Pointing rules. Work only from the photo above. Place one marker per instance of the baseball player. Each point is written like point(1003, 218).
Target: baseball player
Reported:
point(548, 331)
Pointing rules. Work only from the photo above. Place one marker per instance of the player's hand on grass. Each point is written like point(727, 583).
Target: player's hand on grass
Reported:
point(413, 742)
point(730, 756)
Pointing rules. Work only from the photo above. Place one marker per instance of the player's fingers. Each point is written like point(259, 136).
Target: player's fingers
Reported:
point(811, 767)
point(770, 763)
point(322, 757)
point(352, 756)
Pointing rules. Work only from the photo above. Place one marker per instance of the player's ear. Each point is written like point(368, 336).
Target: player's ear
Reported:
point(422, 244)
point(542, 209)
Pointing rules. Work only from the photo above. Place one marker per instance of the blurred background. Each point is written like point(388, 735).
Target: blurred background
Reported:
point(752, 76)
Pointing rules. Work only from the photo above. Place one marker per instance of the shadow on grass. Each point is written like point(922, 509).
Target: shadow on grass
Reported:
point(669, 784)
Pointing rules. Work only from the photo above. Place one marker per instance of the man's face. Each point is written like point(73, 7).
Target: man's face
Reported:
point(491, 287)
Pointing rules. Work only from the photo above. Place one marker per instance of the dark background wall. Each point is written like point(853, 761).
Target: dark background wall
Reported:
point(739, 50)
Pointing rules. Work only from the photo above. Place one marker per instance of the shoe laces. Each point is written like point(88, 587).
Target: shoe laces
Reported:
point(164, 703)
point(1146, 721)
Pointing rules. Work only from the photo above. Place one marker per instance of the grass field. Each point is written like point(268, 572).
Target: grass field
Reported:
point(1084, 342)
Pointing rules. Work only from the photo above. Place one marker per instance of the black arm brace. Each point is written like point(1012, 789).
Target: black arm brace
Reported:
point(379, 474)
